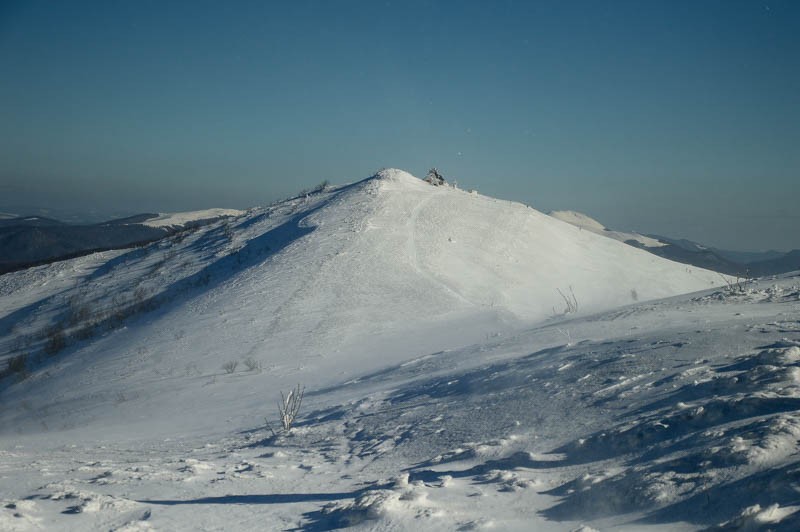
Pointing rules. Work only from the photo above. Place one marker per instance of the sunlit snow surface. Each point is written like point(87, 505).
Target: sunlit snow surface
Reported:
point(180, 219)
point(583, 221)
point(445, 388)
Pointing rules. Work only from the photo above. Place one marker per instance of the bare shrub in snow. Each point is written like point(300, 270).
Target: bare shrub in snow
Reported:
point(79, 312)
point(140, 294)
point(227, 230)
point(735, 286)
point(16, 365)
point(570, 301)
point(230, 366)
point(252, 365)
point(84, 333)
point(55, 340)
point(321, 187)
point(566, 334)
point(288, 408)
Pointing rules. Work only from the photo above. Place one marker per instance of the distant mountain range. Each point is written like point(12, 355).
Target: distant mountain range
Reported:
point(27, 241)
point(739, 263)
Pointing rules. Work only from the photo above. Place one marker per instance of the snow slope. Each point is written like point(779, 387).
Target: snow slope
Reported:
point(671, 415)
point(445, 385)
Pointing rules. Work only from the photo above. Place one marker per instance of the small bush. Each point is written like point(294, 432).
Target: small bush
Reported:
point(17, 364)
point(315, 190)
point(140, 294)
point(288, 408)
point(230, 367)
point(252, 364)
point(320, 187)
point(570, 301)
point(737, 286)
point(84, 333)
point(78, 312)
point(56, 340)
point(566, 334)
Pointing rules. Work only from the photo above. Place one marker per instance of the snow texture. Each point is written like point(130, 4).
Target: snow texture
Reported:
point(445, 386)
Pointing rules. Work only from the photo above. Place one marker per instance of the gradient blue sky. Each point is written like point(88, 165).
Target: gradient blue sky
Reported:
point(678, 118)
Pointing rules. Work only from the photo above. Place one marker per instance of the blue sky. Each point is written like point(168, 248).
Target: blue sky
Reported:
point(678, 118)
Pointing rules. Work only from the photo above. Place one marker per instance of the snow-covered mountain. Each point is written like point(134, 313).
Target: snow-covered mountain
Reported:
point(447, 341)
point(388, 265)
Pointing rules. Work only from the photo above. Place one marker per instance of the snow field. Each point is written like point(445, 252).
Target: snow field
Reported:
point(445, 387)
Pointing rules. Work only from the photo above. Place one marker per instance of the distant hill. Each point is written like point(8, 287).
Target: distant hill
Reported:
point(28, 221)
point(135, 219)
point(701, 257)
point(753, 264)
point(789, 262)
point(740, 263)
point(32, 240)
point(746, 257)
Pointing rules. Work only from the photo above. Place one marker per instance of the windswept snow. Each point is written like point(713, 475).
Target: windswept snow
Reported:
point(445, 386)
point(181, 219)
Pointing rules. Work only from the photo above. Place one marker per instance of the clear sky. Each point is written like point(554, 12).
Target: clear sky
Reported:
point(674, 117)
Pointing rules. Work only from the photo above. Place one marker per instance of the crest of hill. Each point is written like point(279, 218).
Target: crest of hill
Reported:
point(583, 221)
point(579, 219)
point(396, 178)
